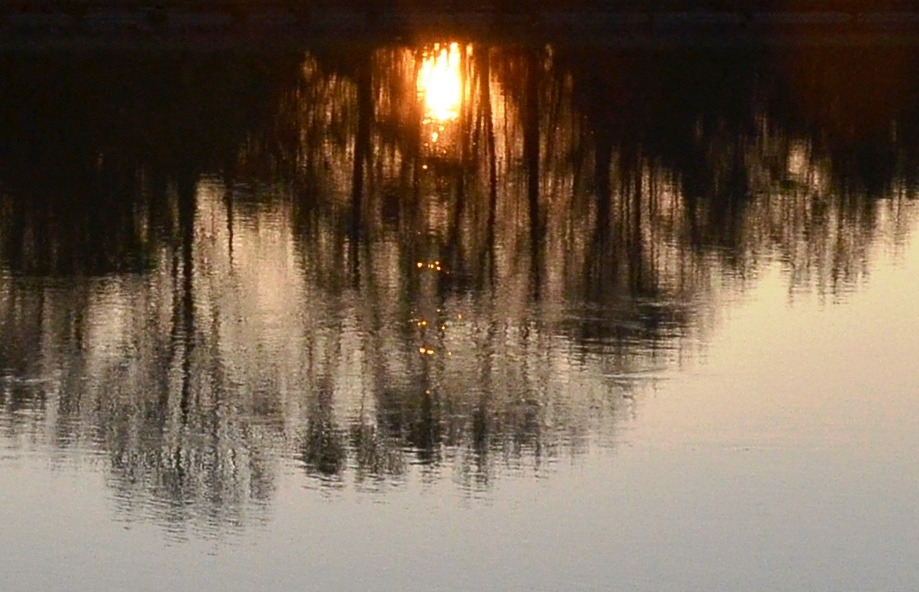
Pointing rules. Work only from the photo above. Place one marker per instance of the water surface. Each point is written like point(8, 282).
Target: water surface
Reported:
point(457, 316)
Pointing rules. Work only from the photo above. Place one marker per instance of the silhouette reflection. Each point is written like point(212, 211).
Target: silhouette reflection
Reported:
point(452, 260)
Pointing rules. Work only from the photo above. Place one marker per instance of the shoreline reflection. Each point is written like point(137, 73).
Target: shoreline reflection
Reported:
point(197, 301)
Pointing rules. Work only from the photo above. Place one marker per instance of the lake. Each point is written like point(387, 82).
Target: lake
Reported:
point(460, 315)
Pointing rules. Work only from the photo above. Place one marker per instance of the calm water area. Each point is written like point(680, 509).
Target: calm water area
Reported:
point(460, 316)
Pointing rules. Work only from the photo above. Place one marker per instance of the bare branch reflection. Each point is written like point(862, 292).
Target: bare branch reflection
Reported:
point(447, 261)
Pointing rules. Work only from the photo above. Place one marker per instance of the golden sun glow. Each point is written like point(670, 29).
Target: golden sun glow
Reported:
point(440, 84)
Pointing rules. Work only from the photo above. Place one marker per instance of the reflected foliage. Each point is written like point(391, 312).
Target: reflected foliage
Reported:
point(216, 265)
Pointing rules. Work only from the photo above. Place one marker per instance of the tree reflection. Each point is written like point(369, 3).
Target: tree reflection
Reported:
point(260, 260)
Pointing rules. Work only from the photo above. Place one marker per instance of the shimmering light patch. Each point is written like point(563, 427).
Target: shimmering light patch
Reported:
point(440, 84)
point(436, 266)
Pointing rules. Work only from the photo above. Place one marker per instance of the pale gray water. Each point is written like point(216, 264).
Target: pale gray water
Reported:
point(649, 326)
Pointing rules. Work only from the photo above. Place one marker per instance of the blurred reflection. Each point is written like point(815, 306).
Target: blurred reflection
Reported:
point(440, 83)
point(391, 263)
point(440, 89)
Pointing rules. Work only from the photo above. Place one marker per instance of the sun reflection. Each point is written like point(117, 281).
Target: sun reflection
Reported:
point(440, 87)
